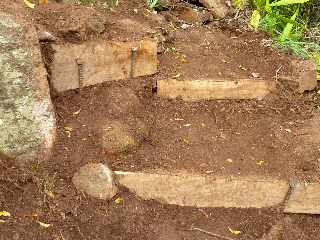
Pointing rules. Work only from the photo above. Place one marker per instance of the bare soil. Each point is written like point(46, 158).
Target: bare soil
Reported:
point(222, 137)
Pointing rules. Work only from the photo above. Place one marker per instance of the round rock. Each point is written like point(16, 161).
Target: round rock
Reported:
point(97, 180)
point(116, 138)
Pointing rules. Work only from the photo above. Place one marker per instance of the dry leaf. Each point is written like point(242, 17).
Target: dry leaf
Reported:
point(260, 162)
point(235, 232)
point(45, 225)
point(119, 200)
point(4, 214)
point(185, 141)
point(68, 129)
point(229, 160)
point(77, 112)
point(29, 4)
point(2, 221)
point(49, 193)
point(187, 125)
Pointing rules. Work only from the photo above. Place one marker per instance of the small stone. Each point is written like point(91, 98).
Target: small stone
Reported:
point(46, 36)
point(96, 180)
point(192, 16)
point(217, 7)
point(305, 74)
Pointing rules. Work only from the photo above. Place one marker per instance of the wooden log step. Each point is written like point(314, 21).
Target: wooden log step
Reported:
point(193, 90)
point(78, 65)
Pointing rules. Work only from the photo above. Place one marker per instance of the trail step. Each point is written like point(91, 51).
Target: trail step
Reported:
point(78, 65)
point(192, 90)
point(205, 191)
point(305, 198)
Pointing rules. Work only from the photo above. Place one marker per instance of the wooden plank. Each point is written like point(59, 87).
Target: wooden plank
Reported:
point(192, 90)
point(204, 191)
point(304, 199)
point(78, 65)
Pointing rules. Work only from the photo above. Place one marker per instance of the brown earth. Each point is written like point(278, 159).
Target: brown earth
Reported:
point(212, 137)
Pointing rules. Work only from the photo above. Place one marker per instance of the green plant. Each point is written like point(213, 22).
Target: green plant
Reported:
point(240, 4)
point(152, 4)
point(278, 16)
point(288, 21)
point(316, 58)
point(158, 5)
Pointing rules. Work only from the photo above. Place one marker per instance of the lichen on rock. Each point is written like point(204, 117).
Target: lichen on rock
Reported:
point(27, 123)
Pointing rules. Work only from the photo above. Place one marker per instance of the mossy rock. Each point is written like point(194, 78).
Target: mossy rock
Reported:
point(118, 137)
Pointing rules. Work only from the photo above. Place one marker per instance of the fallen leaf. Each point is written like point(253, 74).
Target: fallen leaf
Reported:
point(77, 112)
point(185, 141)
point(119, 200)
point(2, 221)
point(176, 76)
point(183, 59)
point(49, 193)
point(229, 160)
point(68, 129)
point(288, 130)
point(235, 232)
point(45, 225)
point(260, 162)
point(29, 4)
point(4, 214)
point(187, 125)
point(179, 119)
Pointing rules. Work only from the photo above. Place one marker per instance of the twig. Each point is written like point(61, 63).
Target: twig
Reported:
point(277, 72)
point(208, 233)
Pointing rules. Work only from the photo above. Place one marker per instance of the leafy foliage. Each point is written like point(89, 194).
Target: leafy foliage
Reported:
point(240, 4)
point(289, 21)
point(152, 4)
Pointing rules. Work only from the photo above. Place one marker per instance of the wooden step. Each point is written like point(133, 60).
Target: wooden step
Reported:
point(206, 191)
point(78, 65)
point(193, 90)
